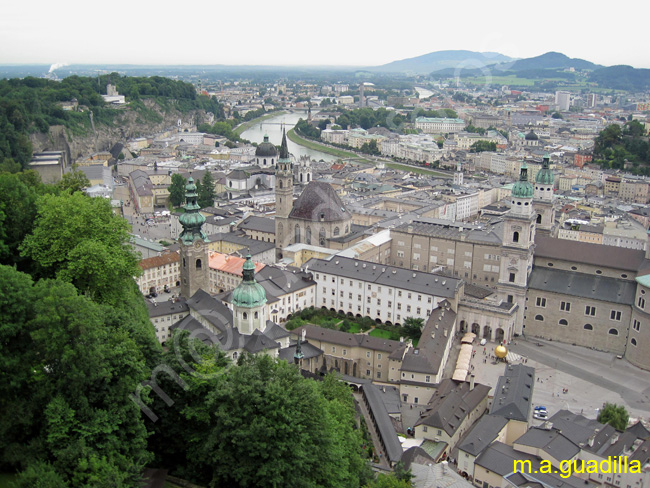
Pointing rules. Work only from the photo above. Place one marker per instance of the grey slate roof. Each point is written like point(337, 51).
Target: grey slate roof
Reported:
point(274, 331)
point(260, 224)
point(451, 403)
point(213, 310)
point(309, 351)
point(514, 393)
point(550, 440)
point(167, 307)
point(639, 430)
point(256, 247)
point(436, 336)
point(484, 234)
point(314, 334)
point(406, 279)
point(593, 287)
point(258, 342)
point(384, 423)
point(483, 434)
point(588, 253)
point(319, 202)
point(196, 330)
point(575, 427)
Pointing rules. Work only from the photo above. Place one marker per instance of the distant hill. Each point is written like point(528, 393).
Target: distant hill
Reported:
point(622, 77)
point(550, 60)
point(438, 60)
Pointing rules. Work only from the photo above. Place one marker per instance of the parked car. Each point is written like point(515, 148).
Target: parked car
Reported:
point(540, 407)
point(541, 415)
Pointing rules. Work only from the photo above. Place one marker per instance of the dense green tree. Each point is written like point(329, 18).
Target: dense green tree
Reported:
point(370, 148)
point(413, 327)
point(480, 146)
point(177, 190)
point(206, 193)
point(74, 181)
point(255, 423)
point(67, 414)
point(388, 481)
point(304, 128)
point(80, 240)
point(614, 415)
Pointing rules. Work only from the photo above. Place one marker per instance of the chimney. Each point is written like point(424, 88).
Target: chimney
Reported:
point(591, 440)
point(471, 382)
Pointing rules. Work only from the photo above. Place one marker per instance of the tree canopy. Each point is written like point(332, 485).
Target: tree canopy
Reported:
point(177, 190)
point(614, 415)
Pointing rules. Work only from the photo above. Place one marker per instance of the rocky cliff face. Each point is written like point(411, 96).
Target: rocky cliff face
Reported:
point(128, 124)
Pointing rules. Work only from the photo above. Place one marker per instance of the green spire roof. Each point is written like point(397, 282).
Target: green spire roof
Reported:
point(523, 189)
point(192, 220)
point(545, 175)
point(249, 293)
point(284, 149)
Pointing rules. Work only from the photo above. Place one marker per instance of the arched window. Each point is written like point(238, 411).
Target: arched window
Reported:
point(633, 342)
point(539, 317)
point(257, 315)
point(613, 332)
point(301, 177)
point(198, 264)
point(244, 316)
point(264, 161)
point(280, 184)
point(308, 180)
point(308, 235)
point(336, 231)
point(588, 327)
point(563, 322)
point(271, 161)
point(515, 236)
point(230, 183)
point(297, 234)
point(539, 218)
point(321, 237)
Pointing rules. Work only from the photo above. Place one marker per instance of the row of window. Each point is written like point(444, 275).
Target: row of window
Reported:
point(589, 309)
point(612, 331)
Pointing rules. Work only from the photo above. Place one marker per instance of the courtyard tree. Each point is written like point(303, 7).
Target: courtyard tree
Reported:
point(614, 415)
point(177, 190)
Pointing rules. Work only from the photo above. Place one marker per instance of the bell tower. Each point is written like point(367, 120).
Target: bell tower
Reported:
point(248, 300)
point(283, 196)
point(195, 269)
point(543, 204)
point(517, 246)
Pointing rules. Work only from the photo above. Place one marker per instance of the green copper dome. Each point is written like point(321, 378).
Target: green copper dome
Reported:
point(523, 189)
point(192, 220)
point(249, 293)
point(545, 175)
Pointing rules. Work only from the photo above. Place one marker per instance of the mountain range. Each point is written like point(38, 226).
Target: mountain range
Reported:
point(551, 65)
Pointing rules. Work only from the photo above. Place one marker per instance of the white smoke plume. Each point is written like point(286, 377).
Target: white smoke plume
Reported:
point(57, 66)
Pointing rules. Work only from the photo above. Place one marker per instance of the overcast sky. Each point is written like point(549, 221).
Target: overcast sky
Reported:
point(336, 32)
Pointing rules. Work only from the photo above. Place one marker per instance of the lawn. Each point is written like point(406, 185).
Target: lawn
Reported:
point(384, 334)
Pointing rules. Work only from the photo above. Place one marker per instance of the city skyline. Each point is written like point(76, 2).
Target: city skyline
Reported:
point(340, 34)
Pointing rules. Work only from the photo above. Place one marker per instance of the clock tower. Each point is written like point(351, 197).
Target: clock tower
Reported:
point(195, 269)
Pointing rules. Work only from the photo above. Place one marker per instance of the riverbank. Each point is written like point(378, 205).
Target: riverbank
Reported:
point(417, 169)
point(340, 153)
point(244, 126)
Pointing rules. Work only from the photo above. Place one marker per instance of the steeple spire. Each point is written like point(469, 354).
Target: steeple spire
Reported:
point(192, 220)
point(298, 355)
point(284, 149)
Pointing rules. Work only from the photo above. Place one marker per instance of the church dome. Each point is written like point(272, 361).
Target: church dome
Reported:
point(545, 175)
point(531, 136)
point(249, 293)
point(523, 189)
point(266, 149)
point(319, 203)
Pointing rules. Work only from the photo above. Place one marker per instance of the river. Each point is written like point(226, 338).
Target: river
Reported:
point(273, 129)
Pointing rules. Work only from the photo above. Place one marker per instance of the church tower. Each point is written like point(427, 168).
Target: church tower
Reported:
point(543, 198)
point(248, 300)
point(195, 269)
point(517, 249)
point(283, 195)
point(458, 175)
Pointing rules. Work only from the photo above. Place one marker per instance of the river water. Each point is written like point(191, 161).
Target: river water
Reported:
point(273, 129)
